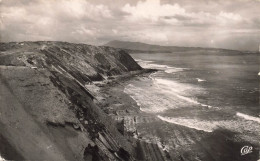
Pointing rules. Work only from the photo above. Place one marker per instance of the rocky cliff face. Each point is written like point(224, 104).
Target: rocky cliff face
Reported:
point(47, 112)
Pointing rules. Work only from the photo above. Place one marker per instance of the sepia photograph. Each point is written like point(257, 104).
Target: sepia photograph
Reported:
point(129, 80)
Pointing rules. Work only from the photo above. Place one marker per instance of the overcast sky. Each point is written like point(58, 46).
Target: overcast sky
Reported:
point(233, 24)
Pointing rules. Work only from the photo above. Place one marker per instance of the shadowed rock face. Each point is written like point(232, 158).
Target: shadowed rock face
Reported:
point(47, 113)
point(85, 62)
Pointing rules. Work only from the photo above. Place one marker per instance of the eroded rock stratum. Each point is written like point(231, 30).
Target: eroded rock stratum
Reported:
point(47, 111)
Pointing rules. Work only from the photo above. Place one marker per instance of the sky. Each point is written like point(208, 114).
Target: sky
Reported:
point(230, 24)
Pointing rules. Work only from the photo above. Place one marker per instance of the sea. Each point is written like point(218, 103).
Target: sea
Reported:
point(201, 89)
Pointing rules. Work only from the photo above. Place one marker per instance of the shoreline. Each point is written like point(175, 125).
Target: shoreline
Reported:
point(127, 115)
point(145, 128)
point(54, 95)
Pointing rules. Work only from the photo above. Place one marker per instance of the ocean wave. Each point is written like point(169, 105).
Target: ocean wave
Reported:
point(153, 100)
point(200, 80)
point(174, 70)
point(138, 60)
point(148, 102)
point(181, 91)
point(166, 68)
point(248, 117)
point(154, 66)
point(159, 95)
point(190, 123)
point(174, 86)
point(236, 125)
point(164, 94)
point(143, 61)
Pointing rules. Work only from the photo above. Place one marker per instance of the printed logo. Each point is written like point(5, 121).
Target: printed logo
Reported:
point(246, 150)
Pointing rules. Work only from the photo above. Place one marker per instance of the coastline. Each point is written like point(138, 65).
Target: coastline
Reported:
point(76, 107)
point(180, 142)
point(128, 117)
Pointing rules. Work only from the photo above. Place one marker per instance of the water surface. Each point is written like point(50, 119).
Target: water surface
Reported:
point(201, 90)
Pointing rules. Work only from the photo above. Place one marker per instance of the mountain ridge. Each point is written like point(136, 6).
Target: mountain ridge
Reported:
point(144, 47)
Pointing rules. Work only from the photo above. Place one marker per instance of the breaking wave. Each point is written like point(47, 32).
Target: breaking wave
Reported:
point(200, 80)
point(191, 123)
point(159, 94)
point(248, 117)
point(237, 124)
point(165, 68)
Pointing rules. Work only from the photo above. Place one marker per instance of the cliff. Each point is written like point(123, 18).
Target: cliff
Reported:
point(48, 113)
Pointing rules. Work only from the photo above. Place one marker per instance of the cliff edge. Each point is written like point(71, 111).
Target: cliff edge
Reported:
point(48, 113)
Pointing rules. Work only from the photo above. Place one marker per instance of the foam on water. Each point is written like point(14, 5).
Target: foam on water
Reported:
point(177, 89)
point(181, 91)
point(191, 123)
point(167, 94)
point(200, 80)
point(164, 94)
point(154, 66)
point(248, 117)
point(146, 100)
point(1, 159)
point(174, 70)
point(160, 95)
point(236, 124)
point(143, 61)
point(166, 68)
point(137, 60)
point(174, 86)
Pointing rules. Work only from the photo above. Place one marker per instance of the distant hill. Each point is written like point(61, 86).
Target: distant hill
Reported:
point(143, 47)
point(138, 46)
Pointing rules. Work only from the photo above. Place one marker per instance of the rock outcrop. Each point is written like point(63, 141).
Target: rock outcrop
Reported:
point(47, 111)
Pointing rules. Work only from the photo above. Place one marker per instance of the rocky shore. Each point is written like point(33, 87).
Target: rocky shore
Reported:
point(63, 101)
point(47, 111)
point(60, 101)
point(155, 139)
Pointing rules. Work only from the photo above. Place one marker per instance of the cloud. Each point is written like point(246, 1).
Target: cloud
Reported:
point(154, 11)
point(114, 31)
point(51, 20)
point(224, 18)
point(171, 22)
point(230, 16)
